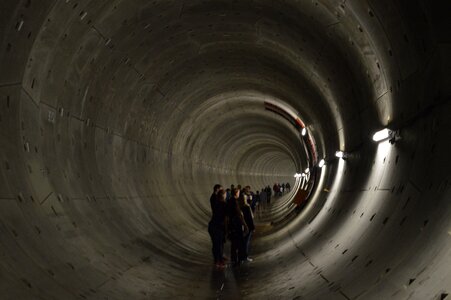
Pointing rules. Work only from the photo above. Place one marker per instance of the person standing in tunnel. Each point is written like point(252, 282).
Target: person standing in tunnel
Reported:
point(255, 200)
point(276, 189)
point(288, 187)
point(263, 197)
point(249, 219)
point(228, 194)
point(268, 194)
point(217, 228)
point(247, 194)
point(213, 196)
point(237, 228)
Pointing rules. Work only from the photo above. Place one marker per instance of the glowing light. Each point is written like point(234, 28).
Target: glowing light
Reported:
point(382, 135)
point(339, 154)
point(307, 171)
point(321, 163)
point(383, 149)
point(304, 131)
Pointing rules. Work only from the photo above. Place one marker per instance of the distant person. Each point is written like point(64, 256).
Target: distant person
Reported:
point(288, 187)
point(217, 228)
point(249, 219)
point(228, 194)
point(237, 228)
point(216, 189)
point(283, 188)
point(247, 194)
point(263, 196)
point(268, 194)
point(275, 188)
point(255, 201)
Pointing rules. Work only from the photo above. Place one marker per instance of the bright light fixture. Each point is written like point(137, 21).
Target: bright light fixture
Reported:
point(321, 163)
point(339, 154)
point(307, 171)
point(382, 135)
point(297, 175)
point(304, 131)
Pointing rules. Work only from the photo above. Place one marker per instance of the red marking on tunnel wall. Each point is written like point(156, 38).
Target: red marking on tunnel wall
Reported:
point(281, 112)
point(299, 125)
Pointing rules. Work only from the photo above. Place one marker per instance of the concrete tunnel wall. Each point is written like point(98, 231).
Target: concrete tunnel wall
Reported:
point(117, 117)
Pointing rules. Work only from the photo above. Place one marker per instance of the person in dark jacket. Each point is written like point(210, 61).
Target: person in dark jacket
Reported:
point(216, 189)
point(217, 228)
point(237, 228)
point(249, 219)
point(268, 194)
point(263, 199)
point(255, 200)
point(275, 188)
point(288, 186)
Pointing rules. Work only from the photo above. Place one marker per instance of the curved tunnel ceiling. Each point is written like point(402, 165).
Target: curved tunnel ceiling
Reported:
point(118, 117)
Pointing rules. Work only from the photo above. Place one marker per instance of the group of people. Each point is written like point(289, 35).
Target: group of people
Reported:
point(280, 189)
point(232, 218)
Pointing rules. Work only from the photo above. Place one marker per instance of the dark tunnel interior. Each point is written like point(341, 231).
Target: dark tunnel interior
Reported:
point(118, 116)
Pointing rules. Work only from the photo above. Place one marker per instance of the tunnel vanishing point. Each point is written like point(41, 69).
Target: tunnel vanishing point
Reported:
point(118, 116)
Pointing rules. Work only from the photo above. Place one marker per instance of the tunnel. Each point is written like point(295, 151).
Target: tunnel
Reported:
point(118, 117)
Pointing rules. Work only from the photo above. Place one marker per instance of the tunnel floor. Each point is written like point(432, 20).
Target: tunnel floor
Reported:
point(198, 278)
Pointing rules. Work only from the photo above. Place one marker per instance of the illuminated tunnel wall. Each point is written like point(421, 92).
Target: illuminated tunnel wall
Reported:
point(117, 117)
